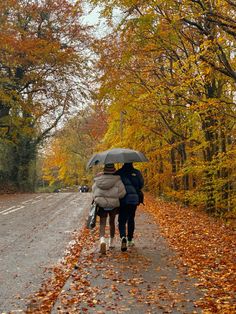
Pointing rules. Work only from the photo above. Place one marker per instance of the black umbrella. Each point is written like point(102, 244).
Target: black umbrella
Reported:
point(116, 155)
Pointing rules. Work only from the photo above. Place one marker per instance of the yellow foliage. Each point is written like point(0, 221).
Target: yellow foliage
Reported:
point(170, 95)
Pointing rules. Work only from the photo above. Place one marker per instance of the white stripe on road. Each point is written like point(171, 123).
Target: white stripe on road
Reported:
point(5, 210)
point(13, 210)
point(31, 201)
point(49, 196)
point(25, 202)
point(34, 202)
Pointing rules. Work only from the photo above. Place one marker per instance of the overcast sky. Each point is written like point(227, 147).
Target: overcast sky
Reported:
point(92, 17)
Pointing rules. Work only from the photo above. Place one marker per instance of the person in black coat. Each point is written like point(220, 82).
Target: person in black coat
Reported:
point(133, 182)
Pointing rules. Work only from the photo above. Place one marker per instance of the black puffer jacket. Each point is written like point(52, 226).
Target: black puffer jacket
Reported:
point(133, 182)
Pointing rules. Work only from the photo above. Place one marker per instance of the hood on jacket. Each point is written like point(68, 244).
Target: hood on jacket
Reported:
point(106, 181)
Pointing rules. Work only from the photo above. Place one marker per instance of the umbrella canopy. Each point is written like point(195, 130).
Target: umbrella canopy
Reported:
point(116, 155)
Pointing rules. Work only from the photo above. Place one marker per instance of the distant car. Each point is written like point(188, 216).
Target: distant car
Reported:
point(84, 189)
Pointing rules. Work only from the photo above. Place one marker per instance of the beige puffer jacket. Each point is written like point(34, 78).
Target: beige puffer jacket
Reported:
point(107, 190)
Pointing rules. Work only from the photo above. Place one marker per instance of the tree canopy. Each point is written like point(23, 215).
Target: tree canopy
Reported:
point(168, 73)
point(42, 68)
point(162, 79)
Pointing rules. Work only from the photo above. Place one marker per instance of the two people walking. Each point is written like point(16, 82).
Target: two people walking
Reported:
point(117, 192)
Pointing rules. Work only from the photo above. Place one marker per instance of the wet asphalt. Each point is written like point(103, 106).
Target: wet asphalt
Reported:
point(35, 231)
point(148, 278)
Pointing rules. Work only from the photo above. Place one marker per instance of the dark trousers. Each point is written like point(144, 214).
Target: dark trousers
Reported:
point(126, 219)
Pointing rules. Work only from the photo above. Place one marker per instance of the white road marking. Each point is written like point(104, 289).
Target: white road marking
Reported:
point(5, 210)
point(25, 202)
point(34, 202)
point(13, 210)
point(49, 196)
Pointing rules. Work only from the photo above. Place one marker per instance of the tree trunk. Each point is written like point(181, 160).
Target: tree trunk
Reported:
point(160, 171)
point(25, 172)
point(173, 159)
point(183, 158)
point(209, 125)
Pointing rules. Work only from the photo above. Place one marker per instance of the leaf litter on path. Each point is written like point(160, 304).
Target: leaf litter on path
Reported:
point(207, 249)
point(150, 277)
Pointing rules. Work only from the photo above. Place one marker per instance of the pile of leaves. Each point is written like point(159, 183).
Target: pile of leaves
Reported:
point(43, 300)
point(206, 246)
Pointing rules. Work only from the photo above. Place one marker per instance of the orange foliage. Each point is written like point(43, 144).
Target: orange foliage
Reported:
point(165, 76)
point(206, 246)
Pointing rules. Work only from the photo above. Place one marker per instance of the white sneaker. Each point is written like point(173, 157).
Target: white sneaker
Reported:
point(111, 243)
point(102, 245)
point(131, 243)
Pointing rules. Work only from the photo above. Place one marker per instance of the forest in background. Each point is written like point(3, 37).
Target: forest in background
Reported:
point(162, 81)
point(44, 76)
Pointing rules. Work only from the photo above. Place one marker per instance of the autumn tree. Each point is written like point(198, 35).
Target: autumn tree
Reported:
point(65, 159)
point(169, 67)
point(42, 71)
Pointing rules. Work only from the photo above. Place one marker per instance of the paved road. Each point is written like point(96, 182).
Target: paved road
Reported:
point(35, 230)
point(146, 279)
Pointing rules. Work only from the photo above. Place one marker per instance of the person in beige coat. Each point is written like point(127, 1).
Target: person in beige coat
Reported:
point(107, 191)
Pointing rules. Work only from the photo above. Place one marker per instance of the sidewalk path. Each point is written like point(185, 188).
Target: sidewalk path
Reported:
point(145, 279)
